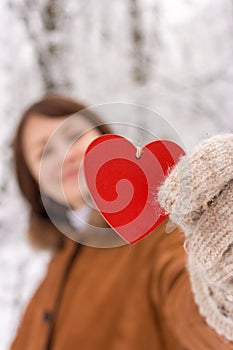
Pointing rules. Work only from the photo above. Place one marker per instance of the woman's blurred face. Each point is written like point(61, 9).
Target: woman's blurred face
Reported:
point(53, 150)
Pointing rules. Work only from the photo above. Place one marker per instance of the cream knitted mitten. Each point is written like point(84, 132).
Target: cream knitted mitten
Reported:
point(198, 195)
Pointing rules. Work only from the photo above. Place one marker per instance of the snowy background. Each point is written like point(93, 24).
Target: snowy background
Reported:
point(175, 57)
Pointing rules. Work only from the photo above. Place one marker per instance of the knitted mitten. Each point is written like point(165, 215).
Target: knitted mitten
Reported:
point(198, 195)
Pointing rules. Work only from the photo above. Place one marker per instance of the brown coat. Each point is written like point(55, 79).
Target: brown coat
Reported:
point(126, 298)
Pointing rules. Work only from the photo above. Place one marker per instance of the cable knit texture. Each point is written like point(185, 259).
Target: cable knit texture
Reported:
point(198, 196)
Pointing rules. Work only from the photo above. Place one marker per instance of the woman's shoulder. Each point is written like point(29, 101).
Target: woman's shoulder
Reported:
point(161, 242)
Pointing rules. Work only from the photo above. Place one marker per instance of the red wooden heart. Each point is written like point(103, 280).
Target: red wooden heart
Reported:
point(124, 187)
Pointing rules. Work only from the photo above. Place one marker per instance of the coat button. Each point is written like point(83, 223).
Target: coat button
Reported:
point(47, 316)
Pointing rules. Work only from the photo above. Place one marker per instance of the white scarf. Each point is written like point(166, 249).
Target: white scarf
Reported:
point(78, 218)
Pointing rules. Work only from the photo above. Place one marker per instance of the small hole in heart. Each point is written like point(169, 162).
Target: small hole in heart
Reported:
point(138, 152)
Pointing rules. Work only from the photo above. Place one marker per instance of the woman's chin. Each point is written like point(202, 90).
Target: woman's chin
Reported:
point(75, 203)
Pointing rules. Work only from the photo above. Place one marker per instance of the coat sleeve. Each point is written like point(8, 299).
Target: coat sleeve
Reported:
point(36, 322)
point(32, 329)
point(171, 294)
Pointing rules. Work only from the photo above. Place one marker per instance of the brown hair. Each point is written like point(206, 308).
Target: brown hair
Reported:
point(42, 232)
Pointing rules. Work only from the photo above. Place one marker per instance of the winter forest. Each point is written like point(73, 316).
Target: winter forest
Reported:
point(175, 57)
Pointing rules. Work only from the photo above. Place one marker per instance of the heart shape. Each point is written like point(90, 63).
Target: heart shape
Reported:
point(124, 187)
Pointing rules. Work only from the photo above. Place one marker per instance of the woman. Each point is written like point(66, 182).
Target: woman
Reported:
point(125, 297)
